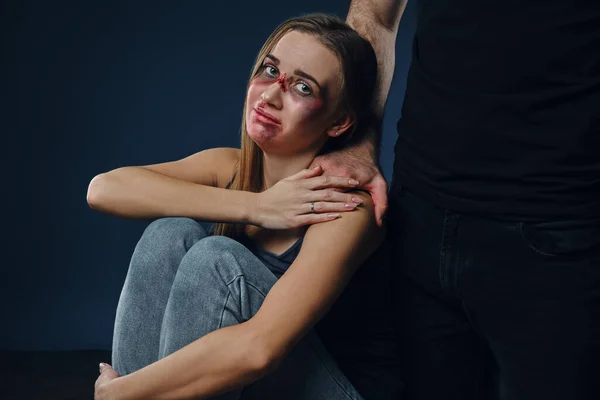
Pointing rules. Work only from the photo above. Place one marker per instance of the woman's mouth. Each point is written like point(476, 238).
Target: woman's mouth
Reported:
point(265, 117)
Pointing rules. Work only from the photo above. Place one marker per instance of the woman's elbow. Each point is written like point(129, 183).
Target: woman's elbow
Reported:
point(263, 361)
point(96, 190)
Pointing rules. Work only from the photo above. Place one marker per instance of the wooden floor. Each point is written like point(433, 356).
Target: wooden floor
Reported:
point(64, 375)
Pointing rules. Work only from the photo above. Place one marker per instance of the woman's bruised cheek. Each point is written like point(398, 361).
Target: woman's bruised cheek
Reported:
point(309, 109)
point(299, 115)
point(314, 106)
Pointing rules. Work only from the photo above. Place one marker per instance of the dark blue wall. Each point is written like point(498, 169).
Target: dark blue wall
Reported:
point(91, 86)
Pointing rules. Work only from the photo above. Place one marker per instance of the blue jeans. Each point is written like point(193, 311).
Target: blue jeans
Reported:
point(182, 284)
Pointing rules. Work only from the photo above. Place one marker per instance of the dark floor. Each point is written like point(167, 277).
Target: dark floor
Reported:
point(48, 375)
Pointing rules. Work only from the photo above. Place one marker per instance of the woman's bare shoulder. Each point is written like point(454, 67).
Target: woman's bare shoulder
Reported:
point(221, 155)
point(353, 229)
point(226, 159)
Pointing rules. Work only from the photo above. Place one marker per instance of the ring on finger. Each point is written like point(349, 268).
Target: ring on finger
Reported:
point(312, 207)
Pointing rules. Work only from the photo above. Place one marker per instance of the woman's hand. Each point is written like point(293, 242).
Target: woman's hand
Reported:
point(359, 163)
point(304, 198)
point(107, 374)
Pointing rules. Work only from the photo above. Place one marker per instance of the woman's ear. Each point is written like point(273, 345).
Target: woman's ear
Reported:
point(343, 123)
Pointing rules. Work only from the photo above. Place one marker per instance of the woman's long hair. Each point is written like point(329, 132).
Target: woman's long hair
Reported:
point(359, 73)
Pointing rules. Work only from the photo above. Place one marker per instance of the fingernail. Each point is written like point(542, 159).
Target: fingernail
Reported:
point(356, 200)
point(350, 205)
point(333, 215)
point(353, 182)
point(317, 167)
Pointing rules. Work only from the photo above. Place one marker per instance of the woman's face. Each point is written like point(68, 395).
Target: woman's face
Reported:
point(290, 103)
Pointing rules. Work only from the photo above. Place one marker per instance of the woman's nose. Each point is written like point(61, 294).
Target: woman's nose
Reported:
point(272, 94)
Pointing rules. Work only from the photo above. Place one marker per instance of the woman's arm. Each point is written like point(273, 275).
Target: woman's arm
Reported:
point(238, 355)
point(195, 187)
point(191, 187)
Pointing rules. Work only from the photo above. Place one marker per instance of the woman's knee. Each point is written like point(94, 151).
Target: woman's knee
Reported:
point(165, 231)
point(203, 273)
point(215, 246)
point(162, 246)
point(216, 258)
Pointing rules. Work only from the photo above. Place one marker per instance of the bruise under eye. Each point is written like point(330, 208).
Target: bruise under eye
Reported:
point(269, 72)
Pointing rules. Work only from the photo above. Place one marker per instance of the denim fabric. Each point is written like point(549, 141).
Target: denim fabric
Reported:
point(182, 284)
point(495, 309)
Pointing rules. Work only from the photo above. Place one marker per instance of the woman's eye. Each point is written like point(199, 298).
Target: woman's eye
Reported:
point(303, 88)
point(271, 71)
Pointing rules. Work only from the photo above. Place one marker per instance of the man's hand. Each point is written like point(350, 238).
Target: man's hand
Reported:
point(358, 163)
point(377, 21)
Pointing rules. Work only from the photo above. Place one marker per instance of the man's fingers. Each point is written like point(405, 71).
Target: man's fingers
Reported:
point(380, 211)
point(378, 189)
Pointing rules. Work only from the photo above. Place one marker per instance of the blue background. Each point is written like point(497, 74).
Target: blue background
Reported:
point(92, 86)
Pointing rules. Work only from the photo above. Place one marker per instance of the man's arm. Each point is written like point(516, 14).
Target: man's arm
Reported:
point(378, 21)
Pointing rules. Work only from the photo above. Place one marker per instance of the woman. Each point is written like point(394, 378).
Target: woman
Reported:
point(230, 314)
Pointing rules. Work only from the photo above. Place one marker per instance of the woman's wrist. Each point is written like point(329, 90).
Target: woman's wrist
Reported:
point(111, 390)
point(252, 209)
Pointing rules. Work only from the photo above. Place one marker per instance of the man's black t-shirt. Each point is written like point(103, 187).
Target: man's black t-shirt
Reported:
point(502, 109)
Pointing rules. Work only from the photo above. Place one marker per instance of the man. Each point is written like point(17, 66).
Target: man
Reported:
point(495, 202)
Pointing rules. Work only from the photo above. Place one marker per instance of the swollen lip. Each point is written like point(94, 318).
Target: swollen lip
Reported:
point(267, 117)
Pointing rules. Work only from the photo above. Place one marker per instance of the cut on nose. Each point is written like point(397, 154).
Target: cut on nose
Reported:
point(281, 81)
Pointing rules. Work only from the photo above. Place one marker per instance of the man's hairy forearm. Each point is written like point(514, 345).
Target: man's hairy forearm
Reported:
point(377, 21)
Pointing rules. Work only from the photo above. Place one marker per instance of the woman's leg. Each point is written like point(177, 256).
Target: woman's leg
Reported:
point(221, 283)
point(146, 290)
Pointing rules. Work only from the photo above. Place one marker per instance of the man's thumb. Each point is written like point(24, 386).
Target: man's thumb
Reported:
point(378, 190)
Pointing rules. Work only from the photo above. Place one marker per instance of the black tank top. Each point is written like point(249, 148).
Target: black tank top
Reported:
point(277, 263)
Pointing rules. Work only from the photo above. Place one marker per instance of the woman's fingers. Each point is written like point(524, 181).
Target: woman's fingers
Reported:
point(325, 207)
point(329, 200)
point(309, 219)
point(328, 181)
point(306, 173)
point(330, 195)
point(312, 179)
